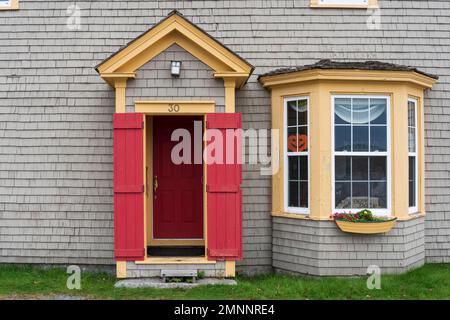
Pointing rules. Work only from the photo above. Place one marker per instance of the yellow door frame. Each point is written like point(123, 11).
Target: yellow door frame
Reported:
point(172, 108)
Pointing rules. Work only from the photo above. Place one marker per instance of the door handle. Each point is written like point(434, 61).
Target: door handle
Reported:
point(155, 183)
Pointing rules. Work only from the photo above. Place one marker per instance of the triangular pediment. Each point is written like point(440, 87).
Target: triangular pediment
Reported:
point(175, 29)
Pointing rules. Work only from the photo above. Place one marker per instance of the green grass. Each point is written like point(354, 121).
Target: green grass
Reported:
point(429, 282)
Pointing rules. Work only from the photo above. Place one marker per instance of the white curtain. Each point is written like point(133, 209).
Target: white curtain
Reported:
point(360, 112)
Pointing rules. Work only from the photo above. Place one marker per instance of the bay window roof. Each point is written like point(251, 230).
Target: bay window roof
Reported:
point(326, 64)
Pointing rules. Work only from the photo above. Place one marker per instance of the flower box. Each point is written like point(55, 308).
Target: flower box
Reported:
point(363, 222)
point(366, 227)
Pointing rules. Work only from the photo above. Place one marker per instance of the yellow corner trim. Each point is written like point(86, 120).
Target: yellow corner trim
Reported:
point(348, 75)
point(176, 260)
point(230, 269)
point(14, 5)
point(121, 269)
point(175, 107)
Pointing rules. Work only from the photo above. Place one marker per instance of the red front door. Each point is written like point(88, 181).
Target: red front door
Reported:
point(177, 188)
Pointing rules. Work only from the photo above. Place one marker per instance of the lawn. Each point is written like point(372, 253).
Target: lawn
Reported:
point(429, 282)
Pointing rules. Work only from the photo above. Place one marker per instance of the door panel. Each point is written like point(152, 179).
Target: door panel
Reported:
point(178, 198)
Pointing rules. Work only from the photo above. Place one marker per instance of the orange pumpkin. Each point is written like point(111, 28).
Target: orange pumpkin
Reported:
point(298, 142)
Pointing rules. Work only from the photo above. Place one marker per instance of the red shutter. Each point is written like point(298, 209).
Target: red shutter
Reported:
point(128, 186)
point(224, 195)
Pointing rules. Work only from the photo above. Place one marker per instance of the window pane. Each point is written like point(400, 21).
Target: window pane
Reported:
point(292, 113)
point(302, 139)
point(360, 180)
point(360, 111)
point(342, 168)
point(360, 195)
point(412, 140)
point(297, 141)
point(360, 138)
point(292, 139)
point(303, 112)
point(342, 111)
point(411, 114)
point(378, 168)
point(293, 200)
point(342, 138)
point(412, 194)
point(293, 168)
point(412, 168)
point(303, 168)
point(378, 139)
point(378, 111)
point(304, 194)
point(412, 181)
point(342, 195)
point(360, 168)
point(378, 195)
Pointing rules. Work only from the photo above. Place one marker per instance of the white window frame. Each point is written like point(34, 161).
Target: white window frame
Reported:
point(11, 5)
point(415, 154)
point(287, 209)
point(377, 211)
point(361, 4)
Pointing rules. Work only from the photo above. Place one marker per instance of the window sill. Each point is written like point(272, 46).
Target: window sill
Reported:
point(343, 6)
point(412, 216)
point(297, 216)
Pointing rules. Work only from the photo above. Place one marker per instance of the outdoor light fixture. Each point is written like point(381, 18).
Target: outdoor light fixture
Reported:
point(175, 68)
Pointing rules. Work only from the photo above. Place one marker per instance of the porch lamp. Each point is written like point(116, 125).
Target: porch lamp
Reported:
point(175, 68)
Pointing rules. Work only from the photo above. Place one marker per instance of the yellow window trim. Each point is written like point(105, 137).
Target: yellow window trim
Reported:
point(373, 4)
point(14, 5)
point(307, 217)
point(350, 75)
point(320, 86)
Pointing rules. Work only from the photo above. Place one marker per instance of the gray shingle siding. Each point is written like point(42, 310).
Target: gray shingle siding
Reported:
point(319, 248)
point(196, 82)
point(56, 202)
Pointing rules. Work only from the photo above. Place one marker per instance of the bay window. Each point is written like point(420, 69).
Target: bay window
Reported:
point(350, 138)
point(361, 153)
point(412, 156)
point(297, 155)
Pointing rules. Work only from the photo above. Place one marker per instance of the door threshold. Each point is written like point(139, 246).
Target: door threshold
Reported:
point(176, 260)
point(175, 251)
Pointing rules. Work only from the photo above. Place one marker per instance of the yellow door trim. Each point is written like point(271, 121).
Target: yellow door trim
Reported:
point(156, 108)
point(176, 260)
point(176, 242)
point(174, 107)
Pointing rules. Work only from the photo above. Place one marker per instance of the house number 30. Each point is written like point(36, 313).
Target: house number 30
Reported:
point(174, 108)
